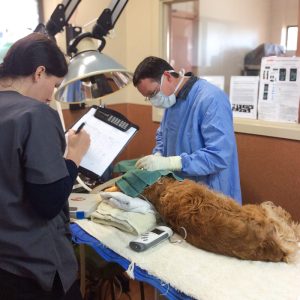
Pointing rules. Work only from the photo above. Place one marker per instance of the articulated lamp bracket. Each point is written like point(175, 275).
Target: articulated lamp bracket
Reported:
point(59, 18)
point(92, 74)
point(104, 24)
point(62, 14)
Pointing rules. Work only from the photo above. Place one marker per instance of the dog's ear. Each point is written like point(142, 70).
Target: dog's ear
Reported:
point(154, 192)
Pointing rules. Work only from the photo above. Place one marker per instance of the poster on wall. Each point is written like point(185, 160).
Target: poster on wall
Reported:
point(243, 96)
point(279, 89)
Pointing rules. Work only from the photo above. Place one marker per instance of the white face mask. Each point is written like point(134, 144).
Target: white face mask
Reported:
point(160, 100)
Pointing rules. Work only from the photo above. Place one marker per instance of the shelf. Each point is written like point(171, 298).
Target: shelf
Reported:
point(267, 128)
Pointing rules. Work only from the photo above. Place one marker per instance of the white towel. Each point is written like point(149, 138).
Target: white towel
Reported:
point(122, 201)
point(132, 222)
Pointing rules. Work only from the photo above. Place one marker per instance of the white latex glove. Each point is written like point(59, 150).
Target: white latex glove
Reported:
point(156, 162)
point(122, 201)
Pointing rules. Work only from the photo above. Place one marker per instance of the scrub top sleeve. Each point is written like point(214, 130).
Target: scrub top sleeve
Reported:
point(159, 142)
point(219, 140)
point(44, 147)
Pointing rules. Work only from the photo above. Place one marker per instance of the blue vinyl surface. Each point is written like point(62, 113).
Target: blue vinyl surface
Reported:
point(81, 237)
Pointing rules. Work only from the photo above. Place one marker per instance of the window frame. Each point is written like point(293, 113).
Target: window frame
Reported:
point(287, 37)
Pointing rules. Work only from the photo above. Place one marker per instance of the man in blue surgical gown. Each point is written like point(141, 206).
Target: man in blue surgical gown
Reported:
point(196, 136)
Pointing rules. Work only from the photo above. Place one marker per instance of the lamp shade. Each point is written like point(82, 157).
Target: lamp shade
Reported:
point(91, 75)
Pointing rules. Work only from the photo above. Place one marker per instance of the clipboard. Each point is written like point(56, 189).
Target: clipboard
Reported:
point(110, 132)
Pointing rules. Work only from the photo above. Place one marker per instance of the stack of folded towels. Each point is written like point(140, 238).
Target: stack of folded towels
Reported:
point(130, 214)
point(125, 210)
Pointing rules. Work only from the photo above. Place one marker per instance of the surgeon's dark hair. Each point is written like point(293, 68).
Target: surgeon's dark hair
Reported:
point(30, 52)
point(151, 67)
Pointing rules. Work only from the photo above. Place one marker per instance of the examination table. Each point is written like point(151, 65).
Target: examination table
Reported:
point(181, 271)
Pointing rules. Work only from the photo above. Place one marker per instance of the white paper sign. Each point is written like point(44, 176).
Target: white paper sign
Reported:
point(279, 90)
point(243, 96)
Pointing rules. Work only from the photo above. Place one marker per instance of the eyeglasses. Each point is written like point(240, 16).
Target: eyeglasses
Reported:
point(153, 94)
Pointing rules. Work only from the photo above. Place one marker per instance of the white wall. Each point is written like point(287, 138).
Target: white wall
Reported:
point(140, 38)
point(227, 31)
point(283, 13)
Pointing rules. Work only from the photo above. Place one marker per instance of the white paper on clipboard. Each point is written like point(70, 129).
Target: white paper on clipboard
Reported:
point(106, 142)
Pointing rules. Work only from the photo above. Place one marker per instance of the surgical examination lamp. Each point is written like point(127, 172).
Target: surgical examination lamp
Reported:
point(91, 74)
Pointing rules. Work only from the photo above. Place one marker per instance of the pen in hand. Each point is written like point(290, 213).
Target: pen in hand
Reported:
point(80, 127)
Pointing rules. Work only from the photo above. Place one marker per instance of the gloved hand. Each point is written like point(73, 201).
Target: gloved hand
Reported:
point(156, 162)
point(122, 201)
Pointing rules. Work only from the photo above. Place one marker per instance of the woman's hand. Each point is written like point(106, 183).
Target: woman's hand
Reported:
point(78, 144)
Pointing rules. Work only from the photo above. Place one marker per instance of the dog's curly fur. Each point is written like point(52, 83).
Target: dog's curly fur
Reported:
point(216, 223)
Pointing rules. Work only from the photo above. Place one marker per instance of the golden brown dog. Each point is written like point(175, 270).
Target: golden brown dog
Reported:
point(216, 223)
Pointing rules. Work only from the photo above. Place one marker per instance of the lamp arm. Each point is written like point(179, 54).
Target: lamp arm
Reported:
point(100, 30)
point(59, 18)
point(57, 21)
point(63, 12)
point(104, 24)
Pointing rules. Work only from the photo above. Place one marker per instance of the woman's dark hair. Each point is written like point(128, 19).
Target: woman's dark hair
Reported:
point(151, 67)
point(30, 52)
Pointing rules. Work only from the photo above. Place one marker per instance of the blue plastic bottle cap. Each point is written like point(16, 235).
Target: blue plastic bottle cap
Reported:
point(79, 214)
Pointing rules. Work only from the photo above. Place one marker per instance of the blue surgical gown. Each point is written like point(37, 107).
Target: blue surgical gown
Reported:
point(199, 128)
